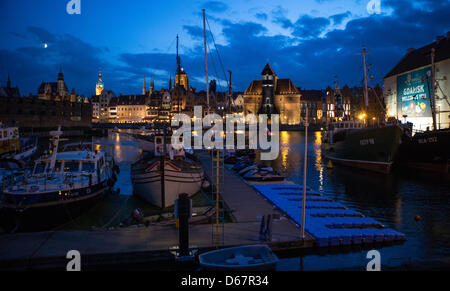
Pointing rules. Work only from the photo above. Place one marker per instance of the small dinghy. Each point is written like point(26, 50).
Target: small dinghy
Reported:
point(243, 258)
point(249, 168)
point(263, 175)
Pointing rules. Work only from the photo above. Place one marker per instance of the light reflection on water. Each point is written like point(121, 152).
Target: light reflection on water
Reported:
point(392, 199)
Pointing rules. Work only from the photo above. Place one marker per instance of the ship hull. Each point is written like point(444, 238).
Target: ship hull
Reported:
point(52, 211)
point(428, 151)
point(147, 183)
point(373, 149)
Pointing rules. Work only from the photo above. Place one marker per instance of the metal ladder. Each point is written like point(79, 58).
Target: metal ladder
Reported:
point(218, 182)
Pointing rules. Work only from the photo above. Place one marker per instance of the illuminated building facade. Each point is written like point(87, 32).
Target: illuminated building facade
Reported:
point(273, 95)
point(312, 101)
point(407, 88)
point(128, 108)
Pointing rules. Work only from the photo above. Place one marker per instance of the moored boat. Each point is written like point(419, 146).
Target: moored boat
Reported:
point(13, 146)
point(428, 151)
point(371, 148)
point(242, 258)
point(263, 175)
point(62, 185)
point(181, 173)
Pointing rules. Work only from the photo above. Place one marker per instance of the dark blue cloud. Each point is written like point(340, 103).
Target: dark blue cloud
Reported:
point(215, 6)
point(261, 16)
point(279, 17)
point(308, 27)
point(338, 18)
point(309, 60)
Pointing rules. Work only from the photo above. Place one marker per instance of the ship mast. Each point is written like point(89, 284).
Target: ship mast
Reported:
point(366, 93)
point(206, 59)
point(229, 94)
point(433, 89)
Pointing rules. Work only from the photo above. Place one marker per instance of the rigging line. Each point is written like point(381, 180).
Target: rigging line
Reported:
point(217, 51)
point(214, 66)
point(158, 63)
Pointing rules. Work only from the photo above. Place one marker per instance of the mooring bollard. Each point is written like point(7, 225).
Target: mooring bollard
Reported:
point(183, 213)
point(265, 230)
point(261, 229)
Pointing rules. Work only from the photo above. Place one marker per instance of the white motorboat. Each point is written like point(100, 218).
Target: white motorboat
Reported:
point(242, 258)
point(182, 173)
point(61, 186)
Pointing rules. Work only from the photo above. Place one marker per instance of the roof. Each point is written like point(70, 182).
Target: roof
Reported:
point(128, 100)
point(312, 95)
point(267, 70)
point(283, 86)
point(422, 57)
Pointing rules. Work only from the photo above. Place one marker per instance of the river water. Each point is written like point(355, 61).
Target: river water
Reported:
point(393, 199)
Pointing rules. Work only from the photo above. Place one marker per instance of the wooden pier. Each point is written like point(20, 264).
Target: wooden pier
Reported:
point(152, 245)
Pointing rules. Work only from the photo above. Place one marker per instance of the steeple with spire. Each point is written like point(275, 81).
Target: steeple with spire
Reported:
point(61, 85)
point(144, 90)
point(100, 86)
point(181, 78)
point(8, 83)
point(152, 85)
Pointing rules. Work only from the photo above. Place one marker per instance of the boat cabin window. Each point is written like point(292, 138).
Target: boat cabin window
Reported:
point(58, 165)
point(39, 168)
point(71, 166)
point(88, 167)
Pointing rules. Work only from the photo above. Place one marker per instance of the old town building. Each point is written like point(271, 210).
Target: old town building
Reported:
point(312, 101)
point(37, 112)
point(273, 95)
point(57, 91)
point(128, 108)
point(408, 86)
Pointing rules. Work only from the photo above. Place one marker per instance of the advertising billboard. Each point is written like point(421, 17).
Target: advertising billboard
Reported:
point(413, 93)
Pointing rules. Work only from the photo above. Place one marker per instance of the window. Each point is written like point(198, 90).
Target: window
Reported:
point(57, 167)
point(39, 168)
point(88, 167)
point(71, 166)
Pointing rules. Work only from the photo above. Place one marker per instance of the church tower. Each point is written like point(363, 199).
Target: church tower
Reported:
point(144, 90)
point(181, 78)
point(61, 85)
point(99, 87)
point(152, 85)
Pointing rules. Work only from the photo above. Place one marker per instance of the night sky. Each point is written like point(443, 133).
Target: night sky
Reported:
point(309, 41)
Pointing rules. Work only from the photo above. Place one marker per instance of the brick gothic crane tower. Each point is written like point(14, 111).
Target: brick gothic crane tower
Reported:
point(268, 81)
